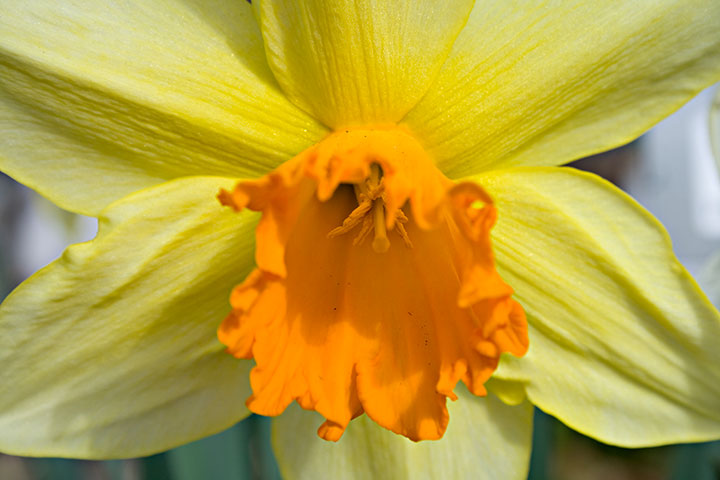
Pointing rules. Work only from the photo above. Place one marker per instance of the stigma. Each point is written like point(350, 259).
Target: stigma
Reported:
point(375, 290)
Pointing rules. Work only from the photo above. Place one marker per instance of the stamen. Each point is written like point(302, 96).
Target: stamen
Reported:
point(369, 197)
point(353, 220)
point(400, 219)
point(365, 230)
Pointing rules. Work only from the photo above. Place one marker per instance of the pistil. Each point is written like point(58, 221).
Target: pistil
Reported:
point(380, 243)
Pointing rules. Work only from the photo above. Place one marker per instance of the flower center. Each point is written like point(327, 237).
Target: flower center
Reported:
point(347, 326)
point(370, 215)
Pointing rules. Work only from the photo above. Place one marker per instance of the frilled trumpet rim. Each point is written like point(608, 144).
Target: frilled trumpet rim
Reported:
point(345, 325)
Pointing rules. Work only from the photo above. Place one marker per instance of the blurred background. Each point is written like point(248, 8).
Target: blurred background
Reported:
point(671, 171)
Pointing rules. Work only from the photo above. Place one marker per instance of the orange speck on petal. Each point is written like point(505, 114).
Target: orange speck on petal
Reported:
point(375, 289)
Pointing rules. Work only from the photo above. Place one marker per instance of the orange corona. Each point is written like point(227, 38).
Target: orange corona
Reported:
point(375, 289)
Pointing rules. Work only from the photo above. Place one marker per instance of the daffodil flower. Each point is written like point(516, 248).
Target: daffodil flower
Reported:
point(393, 222)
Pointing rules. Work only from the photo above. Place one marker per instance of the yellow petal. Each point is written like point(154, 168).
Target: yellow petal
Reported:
point(111, 351)
point(100, 99)
point(510, 392)
point(623, 344)
point(544, 83)
point(359, 61)
point(486, 439)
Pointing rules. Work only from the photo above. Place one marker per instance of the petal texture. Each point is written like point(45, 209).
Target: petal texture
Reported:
point(111, 351)
point(353, 62)
point(623, 344)
point(544, 83)
point(99, 98)
point(486, 439)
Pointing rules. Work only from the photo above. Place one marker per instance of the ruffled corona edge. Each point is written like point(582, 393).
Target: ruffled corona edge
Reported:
point(344, 329)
